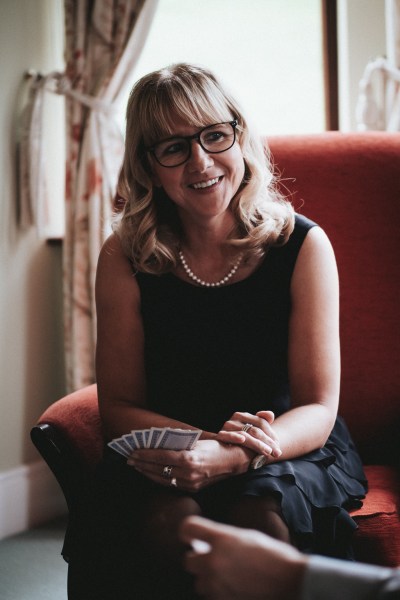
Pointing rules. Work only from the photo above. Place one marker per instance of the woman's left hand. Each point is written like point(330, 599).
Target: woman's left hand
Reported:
point(252, 431)
point(191, 470)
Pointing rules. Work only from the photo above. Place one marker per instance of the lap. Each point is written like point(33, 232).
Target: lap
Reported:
point(310, 494)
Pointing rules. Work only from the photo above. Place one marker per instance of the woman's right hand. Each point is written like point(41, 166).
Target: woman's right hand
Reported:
point(192, 470)
point(255, 432)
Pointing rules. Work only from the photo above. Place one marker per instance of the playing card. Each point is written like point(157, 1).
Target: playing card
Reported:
point(168, 438)
point(142, 437)
point(178, 439)
point(155, 435)
point(121, 449)
point(131, 441)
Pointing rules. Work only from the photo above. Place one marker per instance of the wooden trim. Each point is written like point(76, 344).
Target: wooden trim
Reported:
point(330, 54)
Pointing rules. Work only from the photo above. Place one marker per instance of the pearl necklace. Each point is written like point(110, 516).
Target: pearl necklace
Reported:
point(203, 283)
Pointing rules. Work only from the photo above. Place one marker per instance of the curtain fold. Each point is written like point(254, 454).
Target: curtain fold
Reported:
point(104, 39)
point(378, 106)
point(32, 186)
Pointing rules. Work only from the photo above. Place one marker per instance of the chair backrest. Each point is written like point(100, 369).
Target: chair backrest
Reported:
point(350, 185)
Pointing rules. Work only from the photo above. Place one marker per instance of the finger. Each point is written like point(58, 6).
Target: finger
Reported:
point(265, 426)
point(159, 456)
point(268, 415)
point(262, 420)
point(258, 428)
point(242, 417)
point(230, 437)
point(264, 434)
point(144, 463)
point(194, 527)
point(159, 473)
point(264, 446)
point(233, 425)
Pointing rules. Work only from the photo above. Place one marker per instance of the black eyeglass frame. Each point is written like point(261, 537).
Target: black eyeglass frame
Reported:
point(189, 138)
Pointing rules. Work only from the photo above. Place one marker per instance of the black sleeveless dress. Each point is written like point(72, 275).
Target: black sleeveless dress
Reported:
point(212, 351)
point(208, 353)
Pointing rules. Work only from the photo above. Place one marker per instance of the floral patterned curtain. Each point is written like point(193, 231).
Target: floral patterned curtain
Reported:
point(103, 41)
point(379, 98)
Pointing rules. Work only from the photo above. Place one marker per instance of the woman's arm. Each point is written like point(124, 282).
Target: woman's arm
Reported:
point(122, 388)
point(120, 347)
point(314, 349)
point(314, 360)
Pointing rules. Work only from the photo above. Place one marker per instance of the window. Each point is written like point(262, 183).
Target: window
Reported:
point(269, 54)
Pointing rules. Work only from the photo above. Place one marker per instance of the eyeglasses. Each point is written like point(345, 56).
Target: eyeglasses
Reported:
point(176, 150)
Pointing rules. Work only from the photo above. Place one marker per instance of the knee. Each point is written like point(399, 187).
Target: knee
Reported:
point(160, 524)
point(263, 514)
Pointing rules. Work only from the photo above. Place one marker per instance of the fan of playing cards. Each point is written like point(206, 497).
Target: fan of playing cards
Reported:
point(167, 438)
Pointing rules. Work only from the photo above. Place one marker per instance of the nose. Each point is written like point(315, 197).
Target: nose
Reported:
point(199, 159)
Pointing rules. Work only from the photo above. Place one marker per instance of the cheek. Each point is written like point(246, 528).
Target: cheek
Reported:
point(156, 181)
point(168, 179)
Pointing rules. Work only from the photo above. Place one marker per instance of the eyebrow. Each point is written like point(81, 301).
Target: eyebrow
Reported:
point(177, 136)
point(180, 136)
point(171, 137)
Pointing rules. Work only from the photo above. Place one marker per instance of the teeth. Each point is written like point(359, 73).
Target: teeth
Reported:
point(204, 184)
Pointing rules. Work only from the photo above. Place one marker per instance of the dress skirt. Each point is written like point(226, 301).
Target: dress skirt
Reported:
point(315, 491)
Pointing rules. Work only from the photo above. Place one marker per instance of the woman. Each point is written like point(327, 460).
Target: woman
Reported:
point(218, 310)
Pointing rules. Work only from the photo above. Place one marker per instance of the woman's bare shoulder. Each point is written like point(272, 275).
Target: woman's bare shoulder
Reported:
point(112, 249)
point(115, 275)
point(316, 250)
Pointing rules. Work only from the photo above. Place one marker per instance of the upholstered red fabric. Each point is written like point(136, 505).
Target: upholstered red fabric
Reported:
point(77, 417)
point(378, 537)
point(350, 185)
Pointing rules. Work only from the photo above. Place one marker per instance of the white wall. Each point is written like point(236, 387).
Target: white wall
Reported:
point(31, 356)
point(362, 38)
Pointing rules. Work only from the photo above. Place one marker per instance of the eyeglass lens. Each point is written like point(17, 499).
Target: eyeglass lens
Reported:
point(213, 139)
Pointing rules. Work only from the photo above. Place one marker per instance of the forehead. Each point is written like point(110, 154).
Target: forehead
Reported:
point(181, 128)
point(183, 119)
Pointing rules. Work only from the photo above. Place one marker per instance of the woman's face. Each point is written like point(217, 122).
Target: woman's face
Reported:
point(202, 188)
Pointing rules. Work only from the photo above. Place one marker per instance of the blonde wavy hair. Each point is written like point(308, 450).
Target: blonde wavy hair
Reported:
point(149, 225)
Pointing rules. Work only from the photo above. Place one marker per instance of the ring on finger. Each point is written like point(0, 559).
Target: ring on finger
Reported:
point(174, 482)
point(167, 471)
point(246, 427)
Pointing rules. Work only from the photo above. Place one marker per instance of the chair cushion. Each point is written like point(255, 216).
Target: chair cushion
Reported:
point(77, 417)
point(377, 540)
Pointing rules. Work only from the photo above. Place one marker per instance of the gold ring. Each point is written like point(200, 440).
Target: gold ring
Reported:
point(167, 471)
point(246, 427)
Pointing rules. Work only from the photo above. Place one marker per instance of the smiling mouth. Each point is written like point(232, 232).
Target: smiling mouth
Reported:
point(205, 184)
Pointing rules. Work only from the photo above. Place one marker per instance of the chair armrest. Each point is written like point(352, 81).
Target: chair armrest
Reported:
point(71, 472)
point(69, 437)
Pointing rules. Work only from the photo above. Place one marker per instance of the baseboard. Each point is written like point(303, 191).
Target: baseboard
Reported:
point(29, 496)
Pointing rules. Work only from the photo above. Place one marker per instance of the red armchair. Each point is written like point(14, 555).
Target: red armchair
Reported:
point(350, 185)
